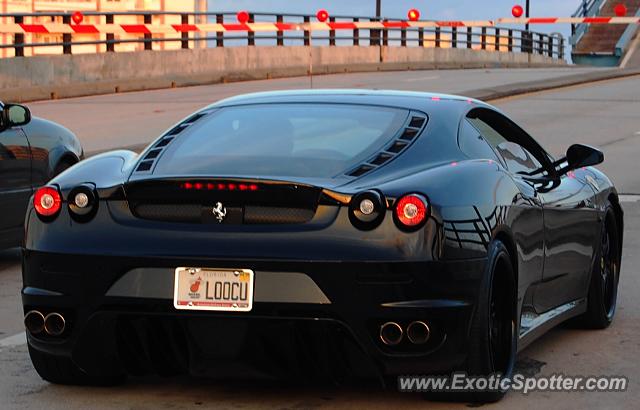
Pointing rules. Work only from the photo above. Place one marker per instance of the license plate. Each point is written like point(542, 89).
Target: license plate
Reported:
point(229, 290)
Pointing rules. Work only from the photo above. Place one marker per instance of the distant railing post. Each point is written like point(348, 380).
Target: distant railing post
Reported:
point(497, 40)
point(184, 19)
point(111, 46)
point(280, 33)
point(540, 44)
point(510, 41)
point(251, 36)
point(483, 39)
point(332, 33)
point(454, 37)
point(561, 49)
point(374, 35)
point(403, 37)
point(66, 37)
point(385, 37)
point(421, 37)
point(469, 37)
point(307, 33)
point(219, 34)
point(550, 46)
point(438, 35)
point(526, 42)
point(356, 33)
point(148, 45)
point(18, 38)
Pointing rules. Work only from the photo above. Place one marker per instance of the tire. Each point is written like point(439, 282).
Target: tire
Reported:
point(62, 370)
point(603, 287)
point(493, 329)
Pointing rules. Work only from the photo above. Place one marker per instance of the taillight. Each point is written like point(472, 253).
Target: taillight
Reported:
point(47, 202)
point(411, 212)
point(367, 209)
point(83, 203)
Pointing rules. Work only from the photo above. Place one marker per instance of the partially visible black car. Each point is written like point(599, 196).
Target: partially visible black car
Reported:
point(32, 151)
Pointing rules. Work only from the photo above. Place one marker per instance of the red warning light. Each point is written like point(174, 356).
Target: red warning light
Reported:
point(77, 17)
point(414, 15)
point(517, 11)
point(322, 15)
point(620, 10)
point(243, 17)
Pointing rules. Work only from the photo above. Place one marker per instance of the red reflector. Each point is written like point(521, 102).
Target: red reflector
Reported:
point(187, 185)
point(253, 187)
point(47, 201)
point(198, 186)
point(411, 210)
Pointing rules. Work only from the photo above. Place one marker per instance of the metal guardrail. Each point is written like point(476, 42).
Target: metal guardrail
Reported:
point(627, 37)
point(482, 38)
point(587, 8)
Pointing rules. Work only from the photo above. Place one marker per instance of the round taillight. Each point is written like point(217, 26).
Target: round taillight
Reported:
point(411, 211)
point(367, 209)
point(83, 203)
point(47, 201)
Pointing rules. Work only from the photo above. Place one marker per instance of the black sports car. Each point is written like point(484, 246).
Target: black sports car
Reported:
point(32, 151)
point(346, 232)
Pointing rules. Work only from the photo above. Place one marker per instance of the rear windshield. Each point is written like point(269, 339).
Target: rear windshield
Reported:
point(304, 140)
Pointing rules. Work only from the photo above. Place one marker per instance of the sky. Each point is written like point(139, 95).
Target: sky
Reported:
point(429, 9)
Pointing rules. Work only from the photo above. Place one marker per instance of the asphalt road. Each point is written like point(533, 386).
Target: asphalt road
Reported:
point(129, 119)
point(604, 114)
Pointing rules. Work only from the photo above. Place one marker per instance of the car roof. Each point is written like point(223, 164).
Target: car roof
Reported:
point(424, 101)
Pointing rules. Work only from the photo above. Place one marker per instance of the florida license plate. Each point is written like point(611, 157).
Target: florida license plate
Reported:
point(229, 290)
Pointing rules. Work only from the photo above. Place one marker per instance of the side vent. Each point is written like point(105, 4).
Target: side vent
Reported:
point(405, 137)
point(152, 155)
point(417, 122)
point(144, 166)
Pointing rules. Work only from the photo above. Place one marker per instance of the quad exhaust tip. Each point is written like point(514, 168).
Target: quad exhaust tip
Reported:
point(34, 322)
point(53, 324)
point(391, 333)
point(418, 332)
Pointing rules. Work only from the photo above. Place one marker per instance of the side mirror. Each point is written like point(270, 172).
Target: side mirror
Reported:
point(579, 156)
point(15, 115)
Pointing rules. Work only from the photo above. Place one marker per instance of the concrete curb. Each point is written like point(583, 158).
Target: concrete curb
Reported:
point(511, 90)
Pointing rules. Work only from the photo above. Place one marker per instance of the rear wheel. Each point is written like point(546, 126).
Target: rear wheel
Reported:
point(62, 370)
point(603, 289)
point(493, 337)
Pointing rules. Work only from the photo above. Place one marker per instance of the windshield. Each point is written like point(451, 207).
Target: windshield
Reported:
point(300, 140)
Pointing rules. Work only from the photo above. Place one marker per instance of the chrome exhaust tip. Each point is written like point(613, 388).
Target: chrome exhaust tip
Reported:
point(418, 332)
point(34, 322)
point(54, 324)
point(391, 333)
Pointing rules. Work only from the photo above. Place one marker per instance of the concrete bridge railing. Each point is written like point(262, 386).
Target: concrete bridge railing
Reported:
point(184, 53)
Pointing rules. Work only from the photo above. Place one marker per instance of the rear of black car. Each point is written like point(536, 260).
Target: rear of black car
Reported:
point(151, 274)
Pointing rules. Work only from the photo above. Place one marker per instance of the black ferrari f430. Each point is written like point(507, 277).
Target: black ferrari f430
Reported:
point(344, 232)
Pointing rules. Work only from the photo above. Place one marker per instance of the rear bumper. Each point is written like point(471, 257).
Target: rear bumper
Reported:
point(120, 312)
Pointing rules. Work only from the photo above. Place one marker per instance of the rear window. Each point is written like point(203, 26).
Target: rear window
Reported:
point(304, 140)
